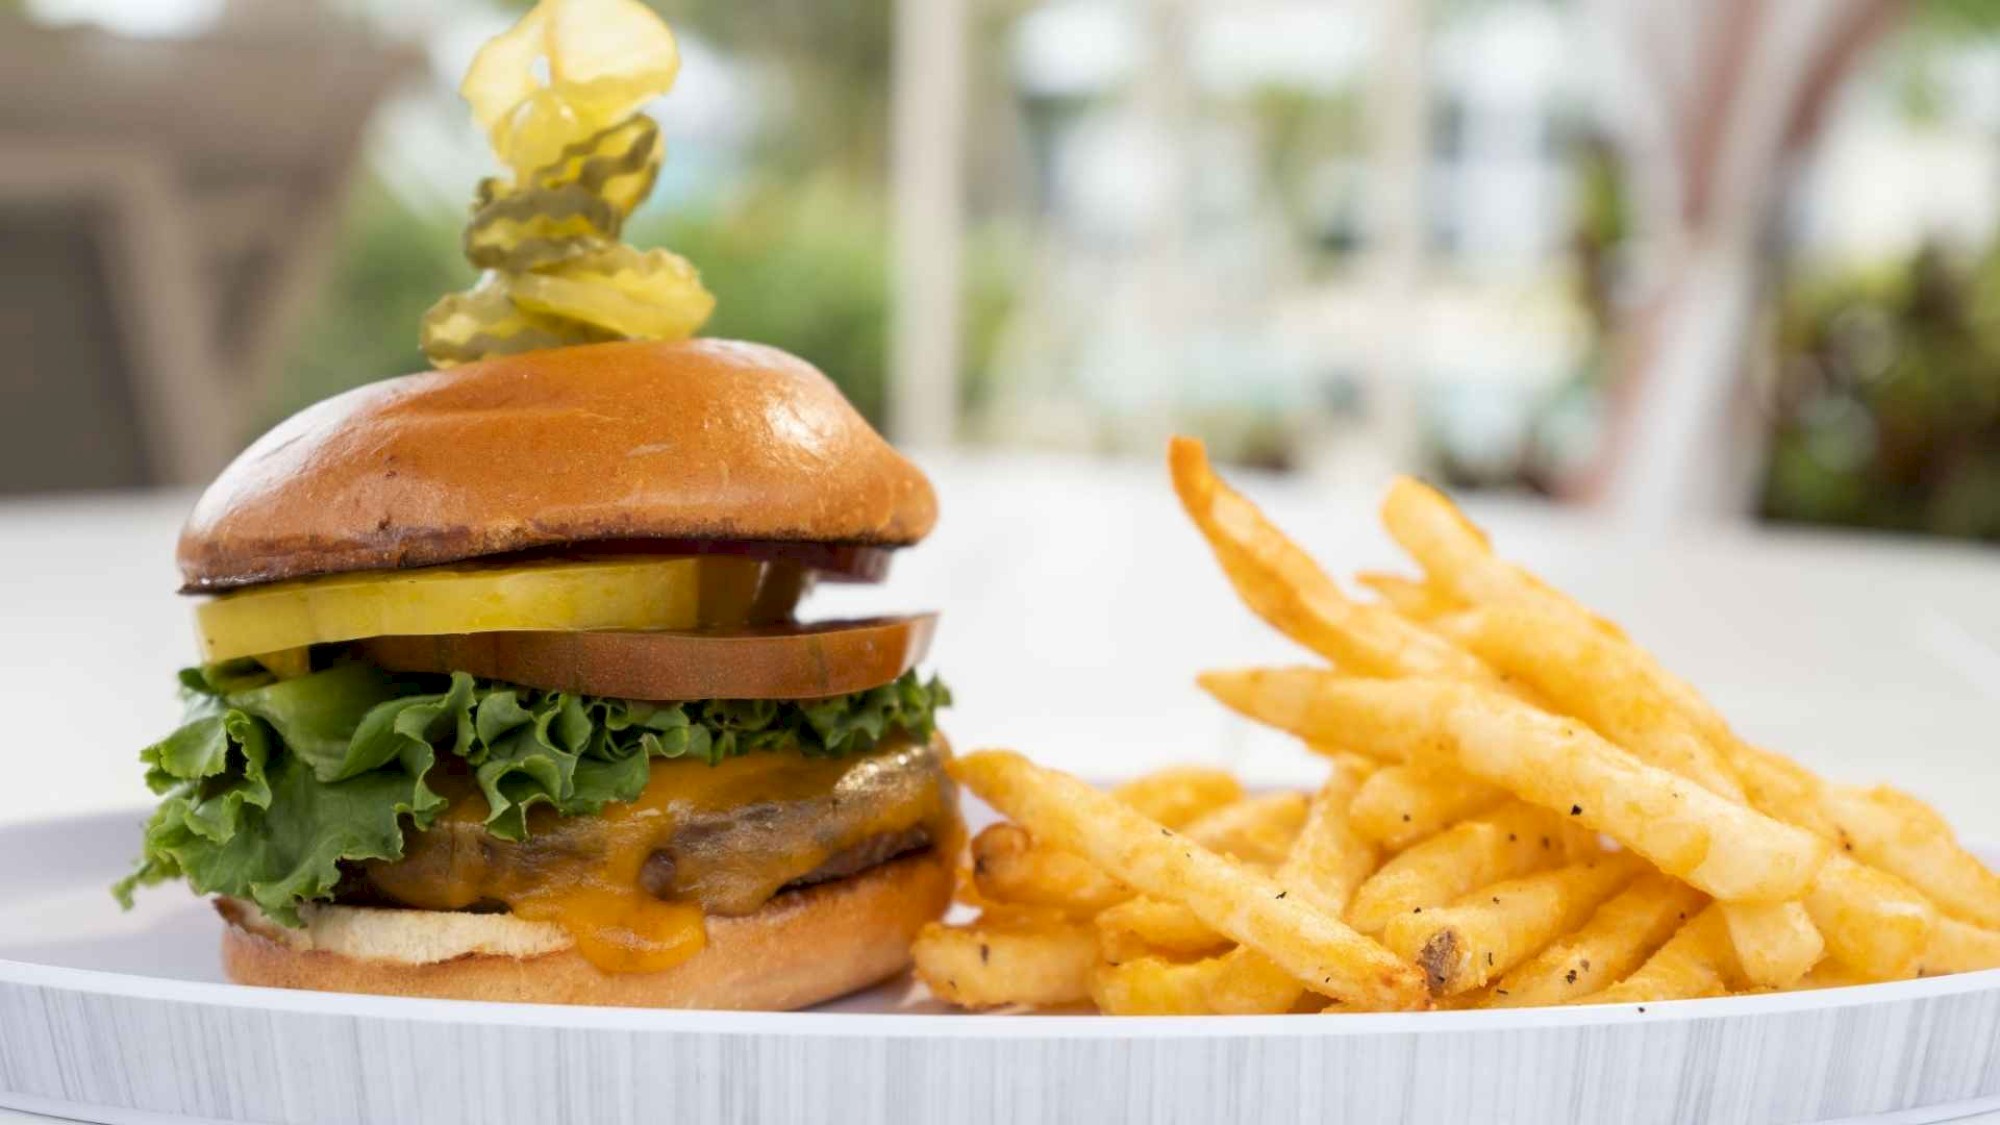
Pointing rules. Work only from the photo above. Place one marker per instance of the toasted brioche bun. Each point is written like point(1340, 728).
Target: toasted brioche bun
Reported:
point(701, 439)
point(805, 947)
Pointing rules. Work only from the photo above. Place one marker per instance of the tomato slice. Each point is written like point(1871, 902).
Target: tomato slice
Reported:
point(769, 662)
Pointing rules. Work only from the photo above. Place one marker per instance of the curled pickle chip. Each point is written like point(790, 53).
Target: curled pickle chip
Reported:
point(482, 322)
point(654, 295)
point(527, 230)
point(605, 59)
point(502, 74)
point(559, 95)
point(536, 131)
point(617, 164)
point(576, 204)
point(618, 53)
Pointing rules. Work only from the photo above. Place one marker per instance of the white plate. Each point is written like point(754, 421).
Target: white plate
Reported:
point(125, 1018)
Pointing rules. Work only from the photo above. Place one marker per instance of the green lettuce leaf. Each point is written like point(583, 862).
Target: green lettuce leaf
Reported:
point(269, 785)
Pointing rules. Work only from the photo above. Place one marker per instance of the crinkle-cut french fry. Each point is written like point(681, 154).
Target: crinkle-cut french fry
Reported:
point(1284, 586)
point(1606, 681)
point(1616, 940)
point(1960, 947)
point(1401, 804)
point(1513, 840)
point(1478, 936)
point(993, 963)
point(1251, 909)
point(1697, 961)
point(1413, 598)
point(1907, 838)
point(1724, 848)
point(1179, 794)
point(1874, 923)
point(1775, 942)
point(1010, 866)
point(1257, 829)
point(1151, 927)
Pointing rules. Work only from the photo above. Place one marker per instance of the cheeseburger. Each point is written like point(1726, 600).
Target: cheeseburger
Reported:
point(503, 693)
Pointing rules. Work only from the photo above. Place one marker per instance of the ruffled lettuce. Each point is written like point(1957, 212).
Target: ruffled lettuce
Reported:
point(269, 785)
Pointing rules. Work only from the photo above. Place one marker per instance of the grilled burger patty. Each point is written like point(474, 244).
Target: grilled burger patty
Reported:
point(727, 837)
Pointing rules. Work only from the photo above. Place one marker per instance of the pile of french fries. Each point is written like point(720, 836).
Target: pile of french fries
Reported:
point(1524, 809)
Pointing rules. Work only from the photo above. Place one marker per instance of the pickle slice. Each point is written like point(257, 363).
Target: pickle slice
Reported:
point(502, 74)
point(617, 164)
point(605, 59)
point(616, 55)
point(654, 295)
point(649, 593)
point(576, 204)
point(523, 231)
point(482, 322)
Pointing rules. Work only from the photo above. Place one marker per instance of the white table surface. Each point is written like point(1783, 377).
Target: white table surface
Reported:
point(1078, 605)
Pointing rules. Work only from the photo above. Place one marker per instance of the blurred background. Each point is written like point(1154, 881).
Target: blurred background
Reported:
point(1697, 302)
point(1697, 259)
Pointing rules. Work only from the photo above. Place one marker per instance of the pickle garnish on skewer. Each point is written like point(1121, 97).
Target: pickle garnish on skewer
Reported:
point(559, 96)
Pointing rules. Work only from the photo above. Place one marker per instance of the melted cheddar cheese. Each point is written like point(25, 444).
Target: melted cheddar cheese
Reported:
point(633, 885)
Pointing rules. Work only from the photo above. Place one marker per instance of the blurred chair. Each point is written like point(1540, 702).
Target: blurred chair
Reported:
point(167, 208)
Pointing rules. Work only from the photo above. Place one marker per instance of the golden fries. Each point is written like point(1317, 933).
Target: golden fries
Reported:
point(1240, 982)
point(1481, 935)
point(1725, 849)
point(1616, 940)
point(1151, 927)
point(1282, 584)
point(1604, 680)
point(1508, 842)
point(1907, 838)
point(1697, 961)
point(1873, 922)
point(1419, 601)
point(1316, 948)
point(1175, 796)
point(1149, 986)
point(1458, 558)
point(1008, 866)
point(1780, 787)
point(1959, 947)
point(1328, 861)
point(1775, 942)
point(1401, 804)
point(1256, 829)
point(1485, 735)
point(998, 963)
